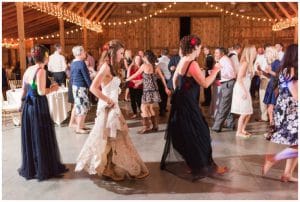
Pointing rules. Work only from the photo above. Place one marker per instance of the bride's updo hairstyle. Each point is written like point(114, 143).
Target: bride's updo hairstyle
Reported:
point(188, 44)
point(39, 53)
point(111, 53)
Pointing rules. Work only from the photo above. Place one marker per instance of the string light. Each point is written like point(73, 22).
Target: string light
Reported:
point(65, 14)
point(285, 24)
point(236, 14)
point(140, 19)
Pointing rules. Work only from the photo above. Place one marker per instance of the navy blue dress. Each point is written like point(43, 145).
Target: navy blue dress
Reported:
point(270, 97)
point(40, 153)
point(188, 141)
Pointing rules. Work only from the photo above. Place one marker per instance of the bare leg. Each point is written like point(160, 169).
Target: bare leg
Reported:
point(126, 94)
point(246, 120)
point(287, 175)
point(72, 122)
point(288, 153)
point(241, 121)
point(270, 113)
point(80, 124)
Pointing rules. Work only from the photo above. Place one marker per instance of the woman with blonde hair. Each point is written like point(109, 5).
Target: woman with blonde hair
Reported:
point(126, 63)
point(241, 98)
point(108, 151)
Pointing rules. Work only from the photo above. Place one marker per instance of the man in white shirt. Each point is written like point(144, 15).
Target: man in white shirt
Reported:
point(57, 65)
point(279, 48)
point(234, 57)
point(227, 81)
point(163, 62)
point(261, 64)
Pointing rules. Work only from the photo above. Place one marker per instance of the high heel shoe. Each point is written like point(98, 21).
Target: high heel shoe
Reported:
point(269, 162)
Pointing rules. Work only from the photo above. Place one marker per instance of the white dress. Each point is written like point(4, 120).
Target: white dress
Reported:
point(108, 149)
point(239, 105)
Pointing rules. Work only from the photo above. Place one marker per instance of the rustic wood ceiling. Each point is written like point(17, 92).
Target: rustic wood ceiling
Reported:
point(38, 24)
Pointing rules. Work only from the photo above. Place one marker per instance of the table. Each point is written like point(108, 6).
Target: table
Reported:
point(57, 101)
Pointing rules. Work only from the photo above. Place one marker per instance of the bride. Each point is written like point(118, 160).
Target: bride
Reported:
point(108, 151)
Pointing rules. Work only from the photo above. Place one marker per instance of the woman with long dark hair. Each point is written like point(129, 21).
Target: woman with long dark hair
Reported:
point(108, 151)
point(40, 153)
point(286, 116)
point(187, 135)
point(150, 91)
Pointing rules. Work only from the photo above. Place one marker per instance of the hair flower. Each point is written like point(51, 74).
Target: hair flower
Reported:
point(193, 41)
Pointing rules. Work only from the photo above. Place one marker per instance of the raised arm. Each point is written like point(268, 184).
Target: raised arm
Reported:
point(141, 69)
point(200, 78)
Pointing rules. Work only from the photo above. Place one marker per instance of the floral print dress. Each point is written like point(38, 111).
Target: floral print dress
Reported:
point(285, 115)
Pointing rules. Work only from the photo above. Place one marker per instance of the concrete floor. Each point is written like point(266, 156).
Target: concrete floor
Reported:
point(243, 157)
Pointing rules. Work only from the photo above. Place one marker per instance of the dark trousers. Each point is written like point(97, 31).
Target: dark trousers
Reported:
point(135, 98)
point(59, 77)
point(163, 96)
point(254, 86)
point(207, 92)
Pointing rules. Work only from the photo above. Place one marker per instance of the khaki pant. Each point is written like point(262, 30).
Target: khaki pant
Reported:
point(262, 92)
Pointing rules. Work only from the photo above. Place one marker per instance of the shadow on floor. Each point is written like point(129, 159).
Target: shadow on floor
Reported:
point(160, 181)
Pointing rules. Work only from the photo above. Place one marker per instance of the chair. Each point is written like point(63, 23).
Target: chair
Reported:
point(13, 84)
point(10, 113)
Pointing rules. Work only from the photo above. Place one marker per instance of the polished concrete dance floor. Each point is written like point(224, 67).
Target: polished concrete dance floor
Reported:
point(243, 157)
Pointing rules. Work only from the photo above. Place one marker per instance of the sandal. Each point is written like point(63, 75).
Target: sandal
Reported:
point(286, 178)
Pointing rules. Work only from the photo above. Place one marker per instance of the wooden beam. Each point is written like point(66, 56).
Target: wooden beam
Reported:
point(294, 7)
point(21, 34)
point(262, 8)
point(71, 6)
point(59, 4)
point(269, 5)
point(90, 9)
point(62, 34)
point(104, 11)
point(96, 13)
point(81, 8)
point(85, 44)
point(283, 10)
point(296, 34)
point(109, 13)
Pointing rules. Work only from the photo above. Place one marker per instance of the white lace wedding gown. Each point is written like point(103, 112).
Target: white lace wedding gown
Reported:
point(108, 149)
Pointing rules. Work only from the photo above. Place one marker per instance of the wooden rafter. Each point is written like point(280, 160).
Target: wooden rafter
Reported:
point(262, 8)
point(72, 5)
point(293, 7)
point(104, 11)
point(269, 5)
point(90, 9)
point(97, 11)
point(109, 13)
point(60, 4)
point(283, 10)
point(81, 8)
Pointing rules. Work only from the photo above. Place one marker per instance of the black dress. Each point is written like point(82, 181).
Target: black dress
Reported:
point(40, 153)
point(188, 141)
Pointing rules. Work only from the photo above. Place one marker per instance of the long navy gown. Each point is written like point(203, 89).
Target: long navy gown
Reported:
point(40, 153)
point(188, 141)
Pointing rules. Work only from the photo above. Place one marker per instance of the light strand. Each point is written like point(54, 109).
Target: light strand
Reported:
point(140, 19)
point(64, 14)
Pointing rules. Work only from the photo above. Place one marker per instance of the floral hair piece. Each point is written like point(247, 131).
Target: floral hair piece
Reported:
point(193, 41)
point(105, 47)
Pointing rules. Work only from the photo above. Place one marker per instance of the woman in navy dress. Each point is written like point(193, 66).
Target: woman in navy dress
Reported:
point(40, 153)
point(272, 72)
point(188, 140)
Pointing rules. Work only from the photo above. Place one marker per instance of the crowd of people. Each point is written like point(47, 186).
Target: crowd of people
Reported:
point(229, 77)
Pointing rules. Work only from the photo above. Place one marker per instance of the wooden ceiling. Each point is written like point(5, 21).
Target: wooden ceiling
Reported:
point(38, 24)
